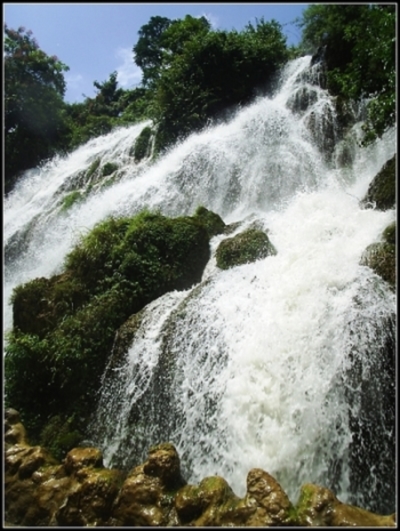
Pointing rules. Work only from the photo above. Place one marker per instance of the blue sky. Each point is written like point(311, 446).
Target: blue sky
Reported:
point(95, 40)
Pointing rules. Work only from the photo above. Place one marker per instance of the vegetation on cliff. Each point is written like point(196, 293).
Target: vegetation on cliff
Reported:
point(359, 51)
point(193, 75)
point(64, 327)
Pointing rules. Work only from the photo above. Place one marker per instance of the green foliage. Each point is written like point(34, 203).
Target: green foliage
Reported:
point(248, 246)
point(59, 436)
point(64, 327)
point(359, 43)
point(210, 72)
point(34, 87)
point(71, 199)
point(211, 221)
point(148, 51)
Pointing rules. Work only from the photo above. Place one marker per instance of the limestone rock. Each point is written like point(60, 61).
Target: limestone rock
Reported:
point(272, 504)
point(83, 457)
point(381, 258)
point(80, 492)
point(382, 190)
point(318, 506)
point(146, 496)
point(247, 246)
point(14, 431)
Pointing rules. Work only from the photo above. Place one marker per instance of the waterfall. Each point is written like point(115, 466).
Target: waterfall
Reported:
point(279, 364)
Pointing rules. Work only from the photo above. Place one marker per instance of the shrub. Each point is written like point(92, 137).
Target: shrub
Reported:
point(64, 326)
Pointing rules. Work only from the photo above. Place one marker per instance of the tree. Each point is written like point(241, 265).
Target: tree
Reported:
point(148, 51)
point(212, 71)
point(359, 43)
point(34, 88)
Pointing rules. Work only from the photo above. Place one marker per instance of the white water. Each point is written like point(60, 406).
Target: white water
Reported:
point(261, 353)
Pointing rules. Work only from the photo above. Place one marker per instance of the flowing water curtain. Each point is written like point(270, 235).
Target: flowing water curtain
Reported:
point(261, 345)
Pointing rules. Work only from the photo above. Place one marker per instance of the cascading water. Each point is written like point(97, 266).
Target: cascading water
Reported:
point(280, 364)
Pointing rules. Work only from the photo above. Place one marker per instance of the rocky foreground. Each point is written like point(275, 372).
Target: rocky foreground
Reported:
point(79, 491)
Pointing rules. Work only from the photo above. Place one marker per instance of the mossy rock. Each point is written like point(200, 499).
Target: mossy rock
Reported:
point(382, 190)
point(389, 234)
point(59, 436)
point(71, 199)
point(64, 327)
point(211, 221)
point(318, 506)
point(248, 246)
point(381, 258)
point(109, 168)
point(142, 144)
point(93, 168)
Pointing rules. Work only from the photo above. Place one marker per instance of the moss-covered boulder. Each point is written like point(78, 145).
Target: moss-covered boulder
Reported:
point(147, 495)
point(382, 190)
point(80, 492)
point(142, 147)
point(248, 246)
point(64, 327)
point(381, 256)
point(318, 506)
point(211, 221)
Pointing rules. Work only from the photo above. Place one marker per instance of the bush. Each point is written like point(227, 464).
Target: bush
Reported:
point(58, 348)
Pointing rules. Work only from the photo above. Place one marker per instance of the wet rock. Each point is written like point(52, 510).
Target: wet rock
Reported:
point(248, 246)
point(272, 504)
point(381, 257)
point(14, 431)
point(208, 503)
point(81, 458)
point(318, 506)
point(382, 190)
point(146, 497)
point(81, 493)
point(90, 500)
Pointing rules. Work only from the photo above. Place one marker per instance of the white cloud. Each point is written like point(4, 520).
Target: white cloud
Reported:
point(212, 19)
point(128, 73)
point(74, 81)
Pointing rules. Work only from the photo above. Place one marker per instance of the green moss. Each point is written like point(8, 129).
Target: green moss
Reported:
point(92, 168)
point(64, 327)
point(389, 234)
point(71, 199)
point(212, 222)
point(142, 144)
point(243, 248)
point(382, 190)
point(109, 168)
point(59, 436)
point(381, 258)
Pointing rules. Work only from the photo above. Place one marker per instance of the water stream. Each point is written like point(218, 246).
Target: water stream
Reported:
point(280, 364)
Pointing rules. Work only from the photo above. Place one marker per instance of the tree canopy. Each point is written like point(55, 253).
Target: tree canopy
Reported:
point(34, 88)
point(192, 75)
point(196, 73)
point(359, 43)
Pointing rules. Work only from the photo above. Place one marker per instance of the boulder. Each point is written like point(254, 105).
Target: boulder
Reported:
point(381, 193)
point(247, 246)
point(80, 492)
point(381, 256)
point(147, 495)
point(318, 506)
